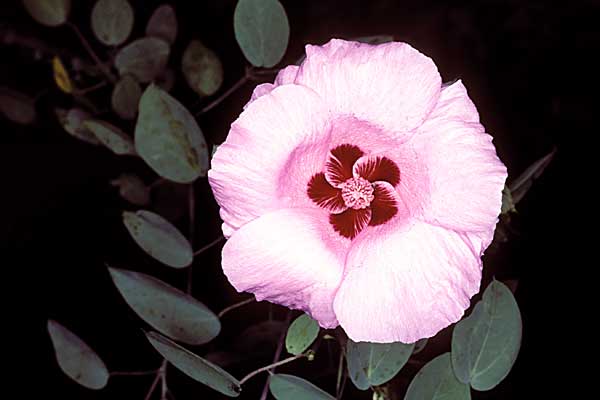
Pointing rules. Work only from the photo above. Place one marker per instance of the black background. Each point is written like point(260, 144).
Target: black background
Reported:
point(523, 62)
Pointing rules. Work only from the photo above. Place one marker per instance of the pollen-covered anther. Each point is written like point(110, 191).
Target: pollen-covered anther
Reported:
point(357, 193)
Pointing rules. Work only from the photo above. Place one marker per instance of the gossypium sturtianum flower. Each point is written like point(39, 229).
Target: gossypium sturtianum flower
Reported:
point(361, 190)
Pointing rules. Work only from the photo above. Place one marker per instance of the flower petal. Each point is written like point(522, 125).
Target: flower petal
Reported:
point(391, 84)
point(377, 168)
point(325, 195)
point(290, 257)
point(405, 283)
point(284, 77)
point(385, 204)
point(247, 168)
point(339, 166)
point(465, 175)
point(351, 222)
point(454, 103)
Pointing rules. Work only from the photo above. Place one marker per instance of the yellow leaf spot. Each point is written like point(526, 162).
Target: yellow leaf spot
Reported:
point(61, 77)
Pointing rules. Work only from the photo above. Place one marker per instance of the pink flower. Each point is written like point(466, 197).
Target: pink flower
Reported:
point(361, 190)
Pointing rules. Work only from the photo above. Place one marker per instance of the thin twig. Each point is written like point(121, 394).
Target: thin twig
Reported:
point(226, 94)
point(271, 366)
point(92, 53)
point(288, 318)
point(208, 246)
point(152, 387)
point(133, 373)
point(234, 306)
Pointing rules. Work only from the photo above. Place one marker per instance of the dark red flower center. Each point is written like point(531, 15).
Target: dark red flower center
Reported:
point(356, 189)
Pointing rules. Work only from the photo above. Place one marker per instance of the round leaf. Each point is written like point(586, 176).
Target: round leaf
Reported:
point(17, 107)
point(301, 333)
point(76, 358)
point(159, 238)
point(163, 24)
point(144, 58)
point(49, 12)
point(126, 96)
point(132, 189)
point(195, 367)
point(111, 136)
point(436, 381)
point(372, 364)
point(168, 138)
point(290, 387)
point(485, 345)
point(72, 121)
point(202, 69)
point(167, 309)
point(262, 31)
point(112, 21)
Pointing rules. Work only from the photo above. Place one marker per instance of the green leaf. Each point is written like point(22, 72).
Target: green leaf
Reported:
point(520, 186)
point(372, 364)
point(159, 238)
point(262, 31)
point(144, 58)
point(163, 24)
point(508, 205)
point(436, 381)
point(485, 345)
point(195, 367)
point(132, 189)
point(49, 12)
point(420, 345)
point(72, 121)
point(168, 138)
point(76, 358)
point(168, 310)
point(112, 21)
point(290, 387)
point(126, 96)
point(111, 136)
point(202, 68)
point(301, 333)
point(17, 107)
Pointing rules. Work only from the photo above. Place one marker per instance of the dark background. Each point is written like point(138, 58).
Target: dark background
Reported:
point(523, 62)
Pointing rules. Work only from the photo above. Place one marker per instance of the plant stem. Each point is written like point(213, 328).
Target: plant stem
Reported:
point(271, 366)
point(226, 94)
point(192, 214)
point(92, 53)
point(92, 88)
point(288, 319)
point(152, 387)
point(133, 373)
point(234, 306)
point(208, 246)
point(163, 377)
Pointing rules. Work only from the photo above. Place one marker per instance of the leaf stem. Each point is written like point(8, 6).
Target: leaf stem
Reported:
point(234, 306)
point(226, 94)
point(92, 53)
point(192, 215)
point(163, 377)
point(152, 387)
point(286, 324)
point(271, 366)
point(340, 372)
point(133, 373)
point(208, 246)
point(92, 88)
